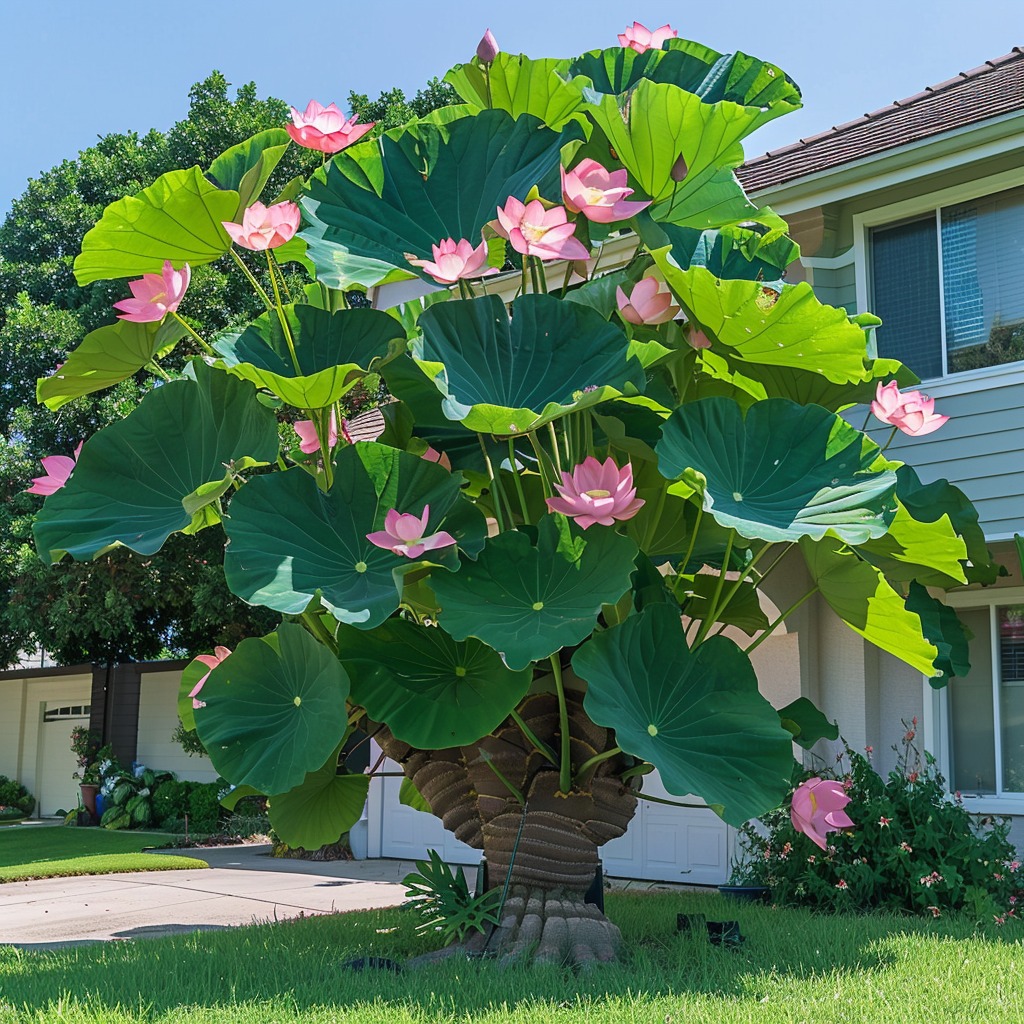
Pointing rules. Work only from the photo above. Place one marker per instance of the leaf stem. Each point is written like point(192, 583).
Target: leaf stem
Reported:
point(495, 487)
point(252, 279)
point(594, 761)
point(486, 758)
point(565, 766)
point(693, 540)
point(554, 447)
point(544, 465)
point(205, 347)
point(670, 803)
point(532, 737)
point(773, 625)
point(284, 283)
point(709, 618)
point(283, 320)
point(518, 482)
point(319, 630)
point(156, 368)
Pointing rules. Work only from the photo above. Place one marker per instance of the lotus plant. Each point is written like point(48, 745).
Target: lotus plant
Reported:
point(909, 411)
point(155, 295)
point(614, 493)
point(817, 809)
point(58, 471)
point(325, 129)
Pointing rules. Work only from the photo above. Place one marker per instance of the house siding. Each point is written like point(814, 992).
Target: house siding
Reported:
point(158, 718)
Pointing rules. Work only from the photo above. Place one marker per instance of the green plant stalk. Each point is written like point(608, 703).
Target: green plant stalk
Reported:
point(734, 589)
point(522, 290)
point(593, 762)
point(785, 551)
point(670, 803)
point(321, 423)
point(495, 490)
point(283, 320)
point(518, 482)
point(154, 367)
point(260, 290)
point(505, 782)
point(534, 277)
point(202, 344)
point(532, 737)
point(890, 438)
point(566, 279)
point(693, 539)
point(544, 466)
point(280, 272)
point(565, 765)
point(772, 626)
point(652, 528)
point(554, 447)
point(315, 626)
point(709, 619)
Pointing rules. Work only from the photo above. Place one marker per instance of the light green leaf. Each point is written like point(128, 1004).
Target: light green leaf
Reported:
point(410, 796)
point(943, 628)
point(178, 218)
point(247, 167)
point(697, 716)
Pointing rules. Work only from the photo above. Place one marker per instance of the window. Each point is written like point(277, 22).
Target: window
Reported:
point(986, 709)
point(949, 286)
point(56, 714)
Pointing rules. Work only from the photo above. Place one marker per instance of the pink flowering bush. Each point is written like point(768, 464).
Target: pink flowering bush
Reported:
point(914, 848)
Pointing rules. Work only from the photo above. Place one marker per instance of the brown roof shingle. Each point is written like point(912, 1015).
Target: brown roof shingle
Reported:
point(994, 88)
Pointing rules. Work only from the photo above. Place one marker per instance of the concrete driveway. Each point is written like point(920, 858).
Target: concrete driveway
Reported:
point(242, 886)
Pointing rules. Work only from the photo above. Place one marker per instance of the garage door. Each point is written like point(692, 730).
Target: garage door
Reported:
point(56, 789)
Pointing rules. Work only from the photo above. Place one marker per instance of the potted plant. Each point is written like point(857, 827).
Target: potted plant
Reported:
point(85, 745)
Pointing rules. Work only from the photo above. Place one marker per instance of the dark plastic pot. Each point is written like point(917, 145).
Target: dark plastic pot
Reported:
point(751, 893)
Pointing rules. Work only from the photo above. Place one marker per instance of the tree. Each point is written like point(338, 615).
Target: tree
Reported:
point(532, 630)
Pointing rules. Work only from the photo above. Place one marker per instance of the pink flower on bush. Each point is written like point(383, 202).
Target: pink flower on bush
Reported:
point(817, 809)
point(648, 303)
point(534, 231)
point(598, 493)
point(640, 38)
point(325, 128)
point(454, 260)
point(599, 194)
point(58, 470)
point(404, 534)
point(910, 411)
point(155, 295)
point(487, 49)
point(211, 661)
point(265, 227)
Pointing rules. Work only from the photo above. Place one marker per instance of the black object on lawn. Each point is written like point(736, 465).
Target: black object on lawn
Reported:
point(725, 933)
point(372, 963)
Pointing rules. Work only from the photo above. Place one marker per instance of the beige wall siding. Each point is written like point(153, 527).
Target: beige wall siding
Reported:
point(158, 717)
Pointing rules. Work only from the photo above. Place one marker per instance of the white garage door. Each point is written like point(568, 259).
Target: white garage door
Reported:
point(56, 787)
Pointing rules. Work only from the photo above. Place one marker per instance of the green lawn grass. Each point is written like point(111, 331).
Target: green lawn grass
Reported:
point(795, 967)
point(36, 851)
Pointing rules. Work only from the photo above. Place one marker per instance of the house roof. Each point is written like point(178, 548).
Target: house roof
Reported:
point(994, 88)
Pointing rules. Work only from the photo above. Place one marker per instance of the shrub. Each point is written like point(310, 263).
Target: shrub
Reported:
point(915, 848)
point(204, 809)
point(131, 798)
point(14, 794)
point(170, 803)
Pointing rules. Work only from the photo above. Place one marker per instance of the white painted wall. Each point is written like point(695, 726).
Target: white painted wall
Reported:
point(158, 718)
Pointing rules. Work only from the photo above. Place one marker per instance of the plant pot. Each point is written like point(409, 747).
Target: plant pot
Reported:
point(751, 893)
point(89, 793)
point(12, 819)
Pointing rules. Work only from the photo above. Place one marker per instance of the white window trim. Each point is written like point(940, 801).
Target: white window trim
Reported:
point(989, 376)
point(936, 708)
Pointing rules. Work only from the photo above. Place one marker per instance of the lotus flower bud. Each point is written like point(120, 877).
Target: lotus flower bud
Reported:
point(679, 169)
point(487, 49)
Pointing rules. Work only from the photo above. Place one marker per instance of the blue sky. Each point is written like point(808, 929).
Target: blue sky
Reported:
point(72, 71)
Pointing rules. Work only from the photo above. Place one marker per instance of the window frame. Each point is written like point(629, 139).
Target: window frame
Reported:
point(937, 736)
point(915, 209)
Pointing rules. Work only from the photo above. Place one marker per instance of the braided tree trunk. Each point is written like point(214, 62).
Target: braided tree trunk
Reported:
point(544, 916)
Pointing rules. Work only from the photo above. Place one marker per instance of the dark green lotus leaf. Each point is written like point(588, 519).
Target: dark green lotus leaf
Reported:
point(783, 472)
point(806, 723)
point(519, 85)
point(859, 594)
point(275, 709)
point(136, 481)
point(247, 167)
point(334, 350)
point(289, 542)
point(743, 610)
point(935, 539)
point(651, 127)
point(105, 357)
point(407, 190)
point(178, 218)
point(943, 628)
point(530, 593)
point(410, 796)
point(780, 325)
point(431, 691)
point(322, 808)
point(731, 253)
point(503, 377)
point(697, 716)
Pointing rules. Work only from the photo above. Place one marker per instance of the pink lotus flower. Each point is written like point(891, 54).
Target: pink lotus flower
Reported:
point(454, 260)
point(403, 534)
point(325, 128)
point(441, 458)
point(599, 194)
point(534, 231)
point(58, 470)
point(597, 493)
point(698, 339)
point(211, 661)
point(265, 227)
point(818, 809)
point(640, 38)
point(155, 295)
point(647, 303)
point(910, 411)
point(487, 49)
point(367, 426)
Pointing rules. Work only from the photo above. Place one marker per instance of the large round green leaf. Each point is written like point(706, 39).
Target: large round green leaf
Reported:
point(247, 167)
point(503, 376)
point(334, 350)
point(290, 542)
point(785, 471)
point(531, 593)
point(178, 218)
point(404, 192)
point(136, 481)
point(107, 356)
point(321, 809)
point(697, 716)
point(275, 709)
point(941, 625)
point(431, 691)
point(860, 595)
